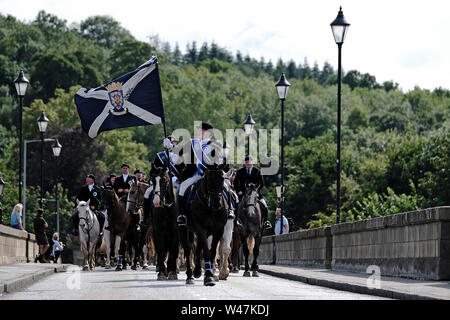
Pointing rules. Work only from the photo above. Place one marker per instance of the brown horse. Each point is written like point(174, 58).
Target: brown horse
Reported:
point(135, 204)
point(119, 222)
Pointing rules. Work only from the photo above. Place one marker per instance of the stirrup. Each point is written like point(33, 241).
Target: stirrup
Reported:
point(181, 220)
point(267, 225)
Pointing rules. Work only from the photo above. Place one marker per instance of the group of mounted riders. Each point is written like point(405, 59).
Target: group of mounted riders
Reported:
point(204, 195)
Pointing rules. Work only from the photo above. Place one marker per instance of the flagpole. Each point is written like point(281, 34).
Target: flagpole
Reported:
point(164, 125)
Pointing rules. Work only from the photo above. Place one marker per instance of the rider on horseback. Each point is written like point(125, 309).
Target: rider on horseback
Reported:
point(201, 153)
point(93, 193)
point(250, 174)
point(161, 162)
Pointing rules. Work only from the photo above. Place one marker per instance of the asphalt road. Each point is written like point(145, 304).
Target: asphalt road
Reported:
point(142, 285)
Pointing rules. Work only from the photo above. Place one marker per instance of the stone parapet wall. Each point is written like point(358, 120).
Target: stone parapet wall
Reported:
point(414, 244)
point(15, 244)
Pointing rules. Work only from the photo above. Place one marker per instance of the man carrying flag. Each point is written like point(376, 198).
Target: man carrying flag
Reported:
point(131, 100)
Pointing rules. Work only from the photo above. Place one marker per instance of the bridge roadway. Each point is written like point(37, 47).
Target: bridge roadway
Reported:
point(142, 285)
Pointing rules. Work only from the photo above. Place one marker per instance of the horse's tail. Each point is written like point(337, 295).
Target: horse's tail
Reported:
point(250, 243)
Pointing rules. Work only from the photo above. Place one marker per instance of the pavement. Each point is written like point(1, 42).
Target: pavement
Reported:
point(17, 276)
point(387, 287)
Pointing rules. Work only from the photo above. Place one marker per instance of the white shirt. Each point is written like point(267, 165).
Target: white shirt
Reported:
point(90, 187)
point(125, 177)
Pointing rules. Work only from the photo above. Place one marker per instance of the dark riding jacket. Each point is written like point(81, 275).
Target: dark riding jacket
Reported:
point(95, 196)
point(120, 184)
point(243, 178)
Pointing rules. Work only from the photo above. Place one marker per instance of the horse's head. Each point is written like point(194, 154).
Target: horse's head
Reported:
point(84, 214)
point(108, 196)
point(251, 198)
point(135, 199)
point(214, 184)
point(161, 185)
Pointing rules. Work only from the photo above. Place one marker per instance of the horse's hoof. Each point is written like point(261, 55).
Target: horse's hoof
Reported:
point(108, 266)
point(235, 271)
point(216, 278)
point(124, 267)
point(208, 282)
point(172, 275)
point(145, 266)
point(223, 276)
point(118, 268)
point(162, 276)
point(246, 274)
point(85, 268)
point(197, 273)
point(190, 281)
point(255, 274)
point(133, 267)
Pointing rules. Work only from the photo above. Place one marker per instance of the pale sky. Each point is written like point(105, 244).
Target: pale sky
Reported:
point(404, 41)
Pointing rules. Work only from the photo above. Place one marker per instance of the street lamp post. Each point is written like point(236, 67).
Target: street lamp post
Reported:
point(339, 28)
point(249, 124)
point(42, 123)
point(56, 147)
point(21, 84)
point(282, 87)
point(2, 184)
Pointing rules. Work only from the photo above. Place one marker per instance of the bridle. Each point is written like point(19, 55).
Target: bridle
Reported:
point(136, 205)
point(210, 194)
point(248, 196)
point(161, 192)
point(87, 219)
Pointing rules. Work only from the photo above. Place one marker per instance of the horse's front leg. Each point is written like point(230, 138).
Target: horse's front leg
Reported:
point(207, 253)
point(107, 236)
point(226, 249)
point(85, 258)
point(186, 240)
point(92, 256)
point(213, 253)
point(198, 259)
point(121, 262)
point(246, 253)
point(255, 267)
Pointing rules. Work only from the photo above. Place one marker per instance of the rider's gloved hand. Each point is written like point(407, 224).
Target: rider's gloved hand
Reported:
point(167, 144)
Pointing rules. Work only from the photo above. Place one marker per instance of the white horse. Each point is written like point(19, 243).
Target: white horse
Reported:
point(89, 229)
point(223, 251)
point(107, 239)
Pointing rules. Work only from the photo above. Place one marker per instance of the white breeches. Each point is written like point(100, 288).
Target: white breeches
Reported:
point(148, 191)
point(186, 183)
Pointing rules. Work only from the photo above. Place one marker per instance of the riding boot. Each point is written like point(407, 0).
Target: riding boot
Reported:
point(147, 211)
point(75, 222)
point(181, 219)
point(101, 221)
point(138, 225)
point(237, 221)
point(265, 217)
point(109, 222)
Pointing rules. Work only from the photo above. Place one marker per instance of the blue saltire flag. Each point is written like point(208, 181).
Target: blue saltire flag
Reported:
point(131, 100)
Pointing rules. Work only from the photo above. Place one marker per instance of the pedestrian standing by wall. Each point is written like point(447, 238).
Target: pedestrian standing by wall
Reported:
point(39, 229)
point(278, 223)
point(278, 230)
point(16, 217)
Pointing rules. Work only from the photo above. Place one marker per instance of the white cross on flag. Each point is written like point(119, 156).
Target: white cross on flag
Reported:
point(131, 100)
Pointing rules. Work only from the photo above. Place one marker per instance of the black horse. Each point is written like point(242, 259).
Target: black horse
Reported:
point(163, 217)
point(207, 215)
point(251, 233)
